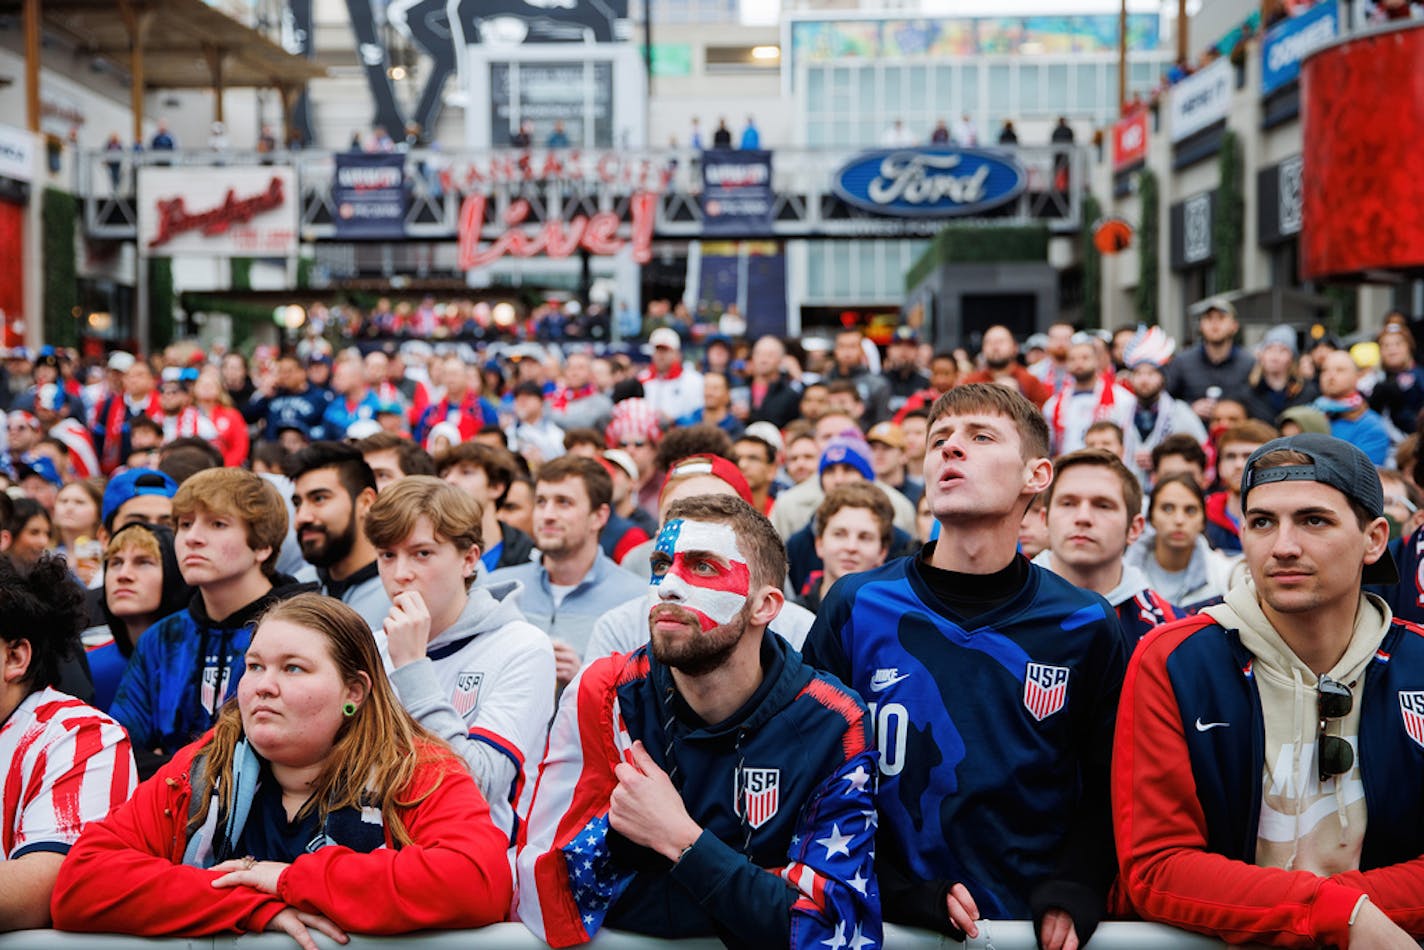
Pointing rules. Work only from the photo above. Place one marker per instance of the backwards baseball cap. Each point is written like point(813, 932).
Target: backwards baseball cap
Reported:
point(130, 484)
point(713, 465)
point(41, 466)
point(1333, 462)
point(845, 450)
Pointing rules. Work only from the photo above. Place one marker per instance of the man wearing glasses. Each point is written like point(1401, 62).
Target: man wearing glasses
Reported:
point(1269, 756)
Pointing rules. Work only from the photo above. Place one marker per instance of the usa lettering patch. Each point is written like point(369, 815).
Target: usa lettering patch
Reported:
point(467, 692)
point(1045, 689)
point(758, 794)
point(1411, 708)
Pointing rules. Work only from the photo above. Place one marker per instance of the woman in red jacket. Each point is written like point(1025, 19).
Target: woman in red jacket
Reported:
point(233, 834)
point(210, 398)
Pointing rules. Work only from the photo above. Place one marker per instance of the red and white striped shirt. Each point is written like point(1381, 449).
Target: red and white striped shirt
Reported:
point(66, 764)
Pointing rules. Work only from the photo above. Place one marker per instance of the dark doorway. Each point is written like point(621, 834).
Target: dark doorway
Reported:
point(982, 311)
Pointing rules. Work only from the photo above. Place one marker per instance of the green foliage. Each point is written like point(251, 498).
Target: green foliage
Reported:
point(241, 270)
point(58, 212)
point(979, 244)
point(1092, 264)
point(160, 303)
point(1148, 247)
point(1228, 224)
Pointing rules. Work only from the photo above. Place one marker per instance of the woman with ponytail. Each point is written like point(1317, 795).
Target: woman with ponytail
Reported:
point(236, 833)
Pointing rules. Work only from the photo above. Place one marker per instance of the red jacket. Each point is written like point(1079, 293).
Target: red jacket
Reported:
point(125, 875)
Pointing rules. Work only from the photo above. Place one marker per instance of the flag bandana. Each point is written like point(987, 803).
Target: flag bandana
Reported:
point(713, 591)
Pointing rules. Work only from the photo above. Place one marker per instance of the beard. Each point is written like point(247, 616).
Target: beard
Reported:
point(702, 652)
point(998, 365)
point(329, 548)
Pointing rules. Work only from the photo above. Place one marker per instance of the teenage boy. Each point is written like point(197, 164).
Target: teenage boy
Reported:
point(1094, 512)
point(1269, 755)
point(485, 473)
point(230, 528)
point(669, 789)
point(1223, 507)
point(392, 457)
point(995, 683)
point(332, 489)
point(464, 662)
point(853, 530)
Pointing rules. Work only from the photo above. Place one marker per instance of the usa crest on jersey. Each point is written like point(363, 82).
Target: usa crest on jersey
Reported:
point(467, 692)
point(1045, 689)
point(209, 693)
point(757, 795)
point(1411, 708)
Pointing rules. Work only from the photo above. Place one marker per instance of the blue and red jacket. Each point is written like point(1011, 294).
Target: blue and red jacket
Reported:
point(783, 789)
point(1187, 799)
point(470, 416)
point(1143, 612)
point(1222, 532)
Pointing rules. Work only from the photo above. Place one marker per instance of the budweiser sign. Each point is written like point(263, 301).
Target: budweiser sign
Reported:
point(597, 234)
point(256, 214)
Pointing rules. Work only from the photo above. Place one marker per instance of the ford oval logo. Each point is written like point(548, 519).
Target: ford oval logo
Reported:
point(930, 182)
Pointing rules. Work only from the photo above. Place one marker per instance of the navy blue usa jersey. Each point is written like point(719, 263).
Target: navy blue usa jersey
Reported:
point(994, 741)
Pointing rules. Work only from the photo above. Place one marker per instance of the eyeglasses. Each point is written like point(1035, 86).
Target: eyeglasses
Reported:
point(1333, 700)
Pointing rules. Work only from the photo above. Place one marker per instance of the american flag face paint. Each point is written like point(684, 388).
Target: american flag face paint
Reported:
point(697, 566)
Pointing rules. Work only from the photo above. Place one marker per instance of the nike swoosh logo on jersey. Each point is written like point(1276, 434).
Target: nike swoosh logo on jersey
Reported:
point(884, 679)
point(1208, 726)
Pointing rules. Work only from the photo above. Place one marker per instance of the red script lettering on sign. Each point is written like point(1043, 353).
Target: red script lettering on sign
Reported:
point(597, 235)
point(174, 218)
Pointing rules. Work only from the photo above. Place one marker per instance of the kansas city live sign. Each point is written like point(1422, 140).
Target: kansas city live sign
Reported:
point(929, 182)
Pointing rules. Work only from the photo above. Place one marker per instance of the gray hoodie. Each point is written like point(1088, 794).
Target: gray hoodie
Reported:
point(486, 686)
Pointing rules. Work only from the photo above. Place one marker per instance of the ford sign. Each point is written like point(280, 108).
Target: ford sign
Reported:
point(929, 182)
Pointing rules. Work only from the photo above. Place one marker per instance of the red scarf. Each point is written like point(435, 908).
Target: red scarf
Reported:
point(559, 401)
point(650, 374)
point(116, 425)
point(1103, 410)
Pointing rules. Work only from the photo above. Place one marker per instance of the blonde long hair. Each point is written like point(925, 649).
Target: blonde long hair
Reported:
point(378, 749)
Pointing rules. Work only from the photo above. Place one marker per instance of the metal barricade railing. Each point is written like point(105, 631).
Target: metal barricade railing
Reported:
point(994, 935)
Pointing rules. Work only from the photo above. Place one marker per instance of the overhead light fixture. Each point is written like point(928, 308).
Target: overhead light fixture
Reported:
point(766, 52)
point(397, 73)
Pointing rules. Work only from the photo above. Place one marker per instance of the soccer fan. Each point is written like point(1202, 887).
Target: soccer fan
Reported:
point(138, 399)
point(65, 763)
point(1216, 365)
point(1179, 454)
point(672, 388)
point(853, 529)
point(1267, 757)
point(212, 402)
point(332, 489)
point(485, 474)
point(316, 803)
point(625, 628)
point(142, 585)
point(1026, 759)
point(578, 402)
point(287, 401)
point(1223, 507)
point(138, 496)
point(1052, 369)
point(634, 429)
point(231, 525)
point(1093, 511)
point(1090, 396)
point(1001, 365)
point(1156, 415)
point(756, 457)
point(1033, 529)
point(392, 457)
point(1172, 550)
point(795, 506)
point(902, 372)
point(462, 405)
point(803, 458)
point(775, 396)
point(888, 456)
point(464, 662)
point(630, 827)
point(1106, 436)
point(1274, 384)
point(1399, 396)
point(573, 582)
point(848, 361)
point(1350, 416)
point(352, 397)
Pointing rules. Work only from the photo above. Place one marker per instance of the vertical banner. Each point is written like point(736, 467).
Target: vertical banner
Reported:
point(736, 192)
point(12, 274)
point(297, 40)
point(369, 196)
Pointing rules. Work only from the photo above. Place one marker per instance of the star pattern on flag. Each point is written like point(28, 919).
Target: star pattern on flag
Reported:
point(858, 882)
point(837, 939)
point(593, 883)
point(835, 843)
point(858, 778)
point(859, 940)
point(872, 818)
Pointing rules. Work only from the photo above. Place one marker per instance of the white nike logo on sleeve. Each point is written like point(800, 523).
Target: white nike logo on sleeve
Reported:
point(1207, 726)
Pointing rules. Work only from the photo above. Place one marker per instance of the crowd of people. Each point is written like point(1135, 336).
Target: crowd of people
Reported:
point(775, 643)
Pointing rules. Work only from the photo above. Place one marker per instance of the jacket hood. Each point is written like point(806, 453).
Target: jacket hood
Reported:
point(176, 594)
point(1142, 551)
point(784, 675)
point(283, 587)
point(1132, 582)
point(488, 609)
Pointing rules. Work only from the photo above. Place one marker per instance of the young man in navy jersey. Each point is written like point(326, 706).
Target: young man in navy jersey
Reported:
point(1093, 514)
point(994, 685)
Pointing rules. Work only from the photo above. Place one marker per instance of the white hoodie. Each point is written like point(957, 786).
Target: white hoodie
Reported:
point(1306, 824)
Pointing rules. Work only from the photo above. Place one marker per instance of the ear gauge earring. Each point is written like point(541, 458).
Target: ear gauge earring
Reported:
point(348, 709)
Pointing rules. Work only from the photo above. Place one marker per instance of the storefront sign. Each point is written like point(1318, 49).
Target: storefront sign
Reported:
point(1130, 141)
point(181, 212)
point(1279, 202)
point(736, 192)
point(1293, 39)
point(940, 183)
point(17, 154)
point(369, 195)
point(1190, 224)
point(596, 234)
point(582, 170)
point(1201, 100)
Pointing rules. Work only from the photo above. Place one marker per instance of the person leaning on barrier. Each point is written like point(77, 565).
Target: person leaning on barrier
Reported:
point(62, 763)
point(315, 804)
point(1269, 755)
point(710, 783)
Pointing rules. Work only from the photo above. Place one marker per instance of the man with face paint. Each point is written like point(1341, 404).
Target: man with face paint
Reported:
point(667, 793)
